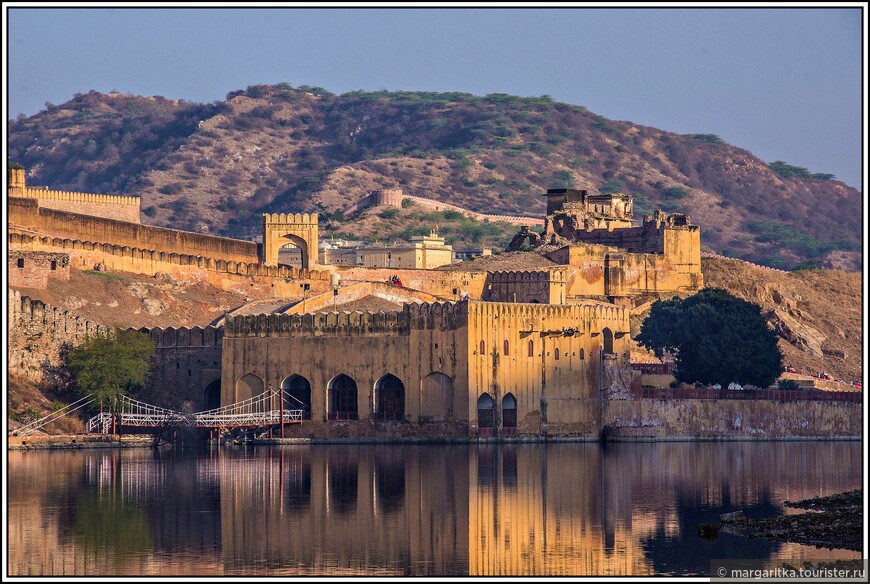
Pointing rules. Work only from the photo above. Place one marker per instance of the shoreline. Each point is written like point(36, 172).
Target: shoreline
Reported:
point(83, 441)
point(833, 522)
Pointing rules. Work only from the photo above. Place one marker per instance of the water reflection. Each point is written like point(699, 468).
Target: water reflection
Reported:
point(559, 509)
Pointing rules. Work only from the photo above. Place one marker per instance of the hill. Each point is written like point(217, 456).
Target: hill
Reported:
point(215, 167)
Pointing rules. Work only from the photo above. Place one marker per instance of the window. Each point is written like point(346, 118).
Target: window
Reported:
point(482, 348)
point(53, 265)
point(531, 348)
point(557, 354)
point(582, 356)
point(506, 347)
point(20, 262)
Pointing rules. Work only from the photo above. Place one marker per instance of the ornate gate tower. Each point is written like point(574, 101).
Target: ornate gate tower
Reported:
point(300, 229)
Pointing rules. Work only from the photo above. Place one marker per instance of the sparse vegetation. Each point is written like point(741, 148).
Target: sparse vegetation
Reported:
point(281, 147)
point(786, 170)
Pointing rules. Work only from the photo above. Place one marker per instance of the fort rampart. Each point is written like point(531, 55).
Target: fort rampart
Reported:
point(222, 273)
point(25, 213)
point(118, 207)
point(38, 331)
point(394, 198)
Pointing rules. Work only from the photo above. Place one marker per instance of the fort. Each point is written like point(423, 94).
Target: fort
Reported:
point(471, 351)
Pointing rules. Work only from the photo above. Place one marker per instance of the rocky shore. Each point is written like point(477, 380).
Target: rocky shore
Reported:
point(834, 521)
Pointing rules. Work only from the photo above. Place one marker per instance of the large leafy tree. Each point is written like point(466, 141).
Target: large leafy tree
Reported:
point(107, 366)
point(715, 337)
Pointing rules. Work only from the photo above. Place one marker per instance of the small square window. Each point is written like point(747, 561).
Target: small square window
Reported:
point(20, 262)
point(53, 265)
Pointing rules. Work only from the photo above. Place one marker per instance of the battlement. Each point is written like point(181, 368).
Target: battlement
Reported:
point(46, 194)
point(26, 313)
point(185, 338)
point(147, 256)
point(290, 218)
point(326, 324)
point(586, 312)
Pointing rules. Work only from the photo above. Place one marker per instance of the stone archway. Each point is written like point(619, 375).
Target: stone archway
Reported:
point(211, 397)
point(607, 340)
point(299, 229)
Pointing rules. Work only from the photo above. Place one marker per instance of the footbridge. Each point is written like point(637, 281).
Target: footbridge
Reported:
point(254, 412)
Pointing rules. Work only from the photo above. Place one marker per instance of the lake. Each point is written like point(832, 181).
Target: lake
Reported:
point(566, 509)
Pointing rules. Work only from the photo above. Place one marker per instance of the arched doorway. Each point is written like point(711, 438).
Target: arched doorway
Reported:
point(509, 415)
point(211, 397)
point(607, 335)
point(297, 395)
point(485, 417)
point(248, 387)
point(293, 253)
point(437, 396)
point(342, 398)
point(390, 398)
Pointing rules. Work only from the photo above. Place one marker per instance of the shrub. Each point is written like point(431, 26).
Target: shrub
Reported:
point(388, 214)
point(675, 193)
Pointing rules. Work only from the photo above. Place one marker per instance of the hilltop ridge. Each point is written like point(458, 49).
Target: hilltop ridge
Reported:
point(270, 148)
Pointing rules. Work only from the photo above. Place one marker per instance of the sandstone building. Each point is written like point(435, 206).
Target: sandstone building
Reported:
point(472, 352)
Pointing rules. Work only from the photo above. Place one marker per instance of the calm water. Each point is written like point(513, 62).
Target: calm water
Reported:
point(558, 509)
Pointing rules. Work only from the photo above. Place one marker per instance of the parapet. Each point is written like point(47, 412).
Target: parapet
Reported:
point(291, 218)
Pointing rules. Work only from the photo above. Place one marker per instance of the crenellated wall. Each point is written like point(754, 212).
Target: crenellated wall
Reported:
point(186, 372)
point(26, 214)
point(283, 280)
point(541, 286)
point(118, 207)
point(37, 332)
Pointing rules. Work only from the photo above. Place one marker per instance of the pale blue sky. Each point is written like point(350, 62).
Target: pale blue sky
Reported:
point(784, 83)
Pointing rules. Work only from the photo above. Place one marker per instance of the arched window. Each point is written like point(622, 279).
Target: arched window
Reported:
point(556, 352)
point(485, 418)
point(608, 340)
point(582, 354)
point(482, 347)
point(297, 395)
point(342, 398)
point(531, 348)
point(509, 414)
point(390, 398)
point(506, 347)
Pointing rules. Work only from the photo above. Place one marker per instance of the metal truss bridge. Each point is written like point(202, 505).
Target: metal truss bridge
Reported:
point(253, 412)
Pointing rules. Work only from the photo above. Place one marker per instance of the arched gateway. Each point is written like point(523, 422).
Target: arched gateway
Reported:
point(299, 229)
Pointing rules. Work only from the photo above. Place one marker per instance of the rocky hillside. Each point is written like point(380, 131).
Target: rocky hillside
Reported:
point(816, 313)
point(215, 167)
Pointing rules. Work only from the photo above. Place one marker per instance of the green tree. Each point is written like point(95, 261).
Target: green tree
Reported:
point(108, 366)
point(715, 337)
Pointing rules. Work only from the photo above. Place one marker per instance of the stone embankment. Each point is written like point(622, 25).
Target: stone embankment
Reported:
point(78, 441)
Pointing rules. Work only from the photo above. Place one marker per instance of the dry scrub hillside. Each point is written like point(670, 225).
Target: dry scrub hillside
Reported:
point(275, 148)
point(817, 313)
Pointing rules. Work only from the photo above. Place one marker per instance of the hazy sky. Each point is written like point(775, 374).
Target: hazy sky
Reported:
point(784, 83)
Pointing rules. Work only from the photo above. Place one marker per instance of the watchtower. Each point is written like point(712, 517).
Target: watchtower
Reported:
point(299, 229)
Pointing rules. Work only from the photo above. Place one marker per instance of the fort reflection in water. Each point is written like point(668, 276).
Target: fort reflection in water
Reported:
point(532, 509)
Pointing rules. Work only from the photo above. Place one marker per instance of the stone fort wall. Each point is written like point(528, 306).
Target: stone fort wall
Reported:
point(37, 332)
point(118, 207)
point(283, 280)
point(27, 214)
